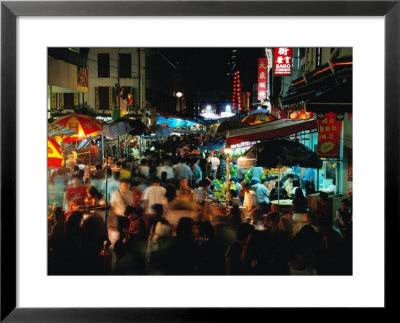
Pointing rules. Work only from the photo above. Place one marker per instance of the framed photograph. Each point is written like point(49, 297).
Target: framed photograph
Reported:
point(29, 28)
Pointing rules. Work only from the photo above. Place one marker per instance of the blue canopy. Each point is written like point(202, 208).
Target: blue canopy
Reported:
point(213, 144)
point(175, 122)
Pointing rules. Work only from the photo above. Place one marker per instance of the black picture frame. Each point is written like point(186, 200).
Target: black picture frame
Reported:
point(10, 10)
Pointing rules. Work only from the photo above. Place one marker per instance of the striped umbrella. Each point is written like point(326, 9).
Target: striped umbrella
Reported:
point(258, 116)
point(83, 125)
point(54, 154)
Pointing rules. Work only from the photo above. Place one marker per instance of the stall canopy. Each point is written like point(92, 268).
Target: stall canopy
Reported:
point(174, 122)
point(270, 130)
point(125, 126)
point(213, 144)
point(282, 152)
point(221, 129)
point(258, 116)
point(56, 130)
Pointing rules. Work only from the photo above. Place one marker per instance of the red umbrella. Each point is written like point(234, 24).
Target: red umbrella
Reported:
point(83, 125)
point(54, 154)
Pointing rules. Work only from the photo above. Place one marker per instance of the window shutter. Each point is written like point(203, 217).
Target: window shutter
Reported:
point(76, 99)
point(110, 98)
point(53, 102)
point(97, 100)
point(61, 95)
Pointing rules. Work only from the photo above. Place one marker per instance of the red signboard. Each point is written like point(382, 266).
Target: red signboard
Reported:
point(328, 136)
point(283, 61)
point(262, 79)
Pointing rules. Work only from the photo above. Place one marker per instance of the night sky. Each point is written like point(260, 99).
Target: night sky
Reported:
point(205, 69)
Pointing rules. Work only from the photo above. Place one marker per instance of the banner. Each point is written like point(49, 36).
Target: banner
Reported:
point(328, 136)
point(283, 61)
point(262, 79)
point(82, 77)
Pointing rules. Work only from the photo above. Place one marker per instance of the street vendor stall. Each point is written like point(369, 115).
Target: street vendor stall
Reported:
point(282, 152)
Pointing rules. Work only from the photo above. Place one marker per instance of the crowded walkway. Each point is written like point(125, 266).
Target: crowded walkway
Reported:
point(152, 215)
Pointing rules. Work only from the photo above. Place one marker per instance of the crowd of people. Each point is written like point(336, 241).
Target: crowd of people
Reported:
point(118, 219)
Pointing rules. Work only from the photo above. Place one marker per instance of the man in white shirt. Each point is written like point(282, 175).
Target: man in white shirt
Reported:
point(154, 194)
point(214, 161)
point(144, 169)
point(250, 199)
point(120, 199)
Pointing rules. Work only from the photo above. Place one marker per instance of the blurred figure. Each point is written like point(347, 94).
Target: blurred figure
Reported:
point(184, 193)
point(233, 256)
point(300, 203)
point(76, 192)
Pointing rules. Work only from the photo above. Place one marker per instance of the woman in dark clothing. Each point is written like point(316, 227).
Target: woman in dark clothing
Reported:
point(300, 203)
point(273, 195)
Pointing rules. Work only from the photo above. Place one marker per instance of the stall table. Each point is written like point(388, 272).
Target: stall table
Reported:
point(283, 204)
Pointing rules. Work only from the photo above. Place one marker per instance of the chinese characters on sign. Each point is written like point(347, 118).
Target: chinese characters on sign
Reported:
point(262, 79)
point(283, 61)
point(328, 136)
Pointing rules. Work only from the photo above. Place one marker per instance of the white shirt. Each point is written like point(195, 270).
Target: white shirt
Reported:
point(200, 194)
point(144, 170)
point(167, 169)
point(154, 195)
point(250, 199)
point(214, 163)
point(119, 201)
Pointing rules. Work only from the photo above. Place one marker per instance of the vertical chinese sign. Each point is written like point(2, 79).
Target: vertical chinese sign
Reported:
point(328, 136)
point(262, 79)
point(283, 61)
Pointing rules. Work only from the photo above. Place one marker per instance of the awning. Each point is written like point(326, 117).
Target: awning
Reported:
point(270, 130)
point(282, 152)
point(323, 90)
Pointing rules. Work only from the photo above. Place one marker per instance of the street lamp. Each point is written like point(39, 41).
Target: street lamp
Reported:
point(178, 94)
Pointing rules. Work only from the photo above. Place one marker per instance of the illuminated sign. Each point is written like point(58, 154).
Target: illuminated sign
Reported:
point(262, 79)
point(283, 61)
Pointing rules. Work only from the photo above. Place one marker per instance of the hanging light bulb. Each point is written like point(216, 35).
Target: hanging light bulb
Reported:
point(303, 115)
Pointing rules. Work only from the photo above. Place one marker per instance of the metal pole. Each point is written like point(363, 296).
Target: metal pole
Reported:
point(227, 181)
point(102, 149)
point(279, 181)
